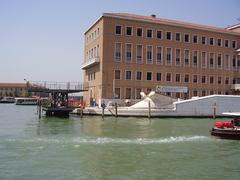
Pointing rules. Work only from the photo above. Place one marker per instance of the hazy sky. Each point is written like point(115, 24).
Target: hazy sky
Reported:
point(43, 39)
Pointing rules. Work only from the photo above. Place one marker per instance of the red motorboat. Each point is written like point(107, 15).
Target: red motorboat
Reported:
point(227, 129)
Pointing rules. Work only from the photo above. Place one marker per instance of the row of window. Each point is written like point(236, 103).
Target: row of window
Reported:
point(91, 76)
point(93, 52)
point(177, 36)
point(92, 36)
point(207, 58)
point(134, 93)
point(11, 89)
point(169, 77)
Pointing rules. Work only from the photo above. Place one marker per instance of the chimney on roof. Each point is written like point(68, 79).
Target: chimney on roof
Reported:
point(153, 15)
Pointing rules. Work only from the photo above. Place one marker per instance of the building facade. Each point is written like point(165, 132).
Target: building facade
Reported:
point(13, 89)
point(125, 54)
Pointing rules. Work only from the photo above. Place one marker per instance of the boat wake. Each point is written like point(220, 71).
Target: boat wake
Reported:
point(105, 140)
point(139, 140)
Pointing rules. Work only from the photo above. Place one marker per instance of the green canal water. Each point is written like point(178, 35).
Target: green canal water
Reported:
point(123, 148)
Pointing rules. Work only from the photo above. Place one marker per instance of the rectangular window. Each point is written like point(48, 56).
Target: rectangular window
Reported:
point(203, 93)
point(211, 60)
point(159, 34)
point(204, 59)
point(128, 52)
point(169, 35)
point(128, 75)
point(211, 41)
point(195, 39)
point(149, 33)
point(211, 80)
point(118, 30)
point(178, 37)
point(186, 38)
point(195, 58)
point(238, 64)
point(88, 76)
point(159, 76)
point(169, 56)
point(117, 93)
point(204, 40)
point(118, 51)
point(186, 57)
point(139, 53)
point(219, 42)
point(178, 78)
point(178, 57)
point(233, 44)
point(227, 80)
point(168, 77)
point(234, 81)
point(128, 93)
point(203, 79)
point(195, 79)
point(234, 63)
point(226, 43)
point(195, 93)
point(139, 32)
point(138, 91)
point(149, 76)
point(186, 78)
point(129, 31)
point(149, 55)
point(117, 74)
point(219, 80)
point(159, 55)
point(177, 95)
point(139, 75)
point(219, 61)
point(211, 92)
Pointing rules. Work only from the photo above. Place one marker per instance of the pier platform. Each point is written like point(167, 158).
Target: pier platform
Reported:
point(57, 104)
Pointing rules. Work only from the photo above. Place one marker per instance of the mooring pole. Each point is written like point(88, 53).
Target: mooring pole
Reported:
point(214, 110)
point(116, 109)
point(149, 110)
point(103, 112)
point(39, 109)
point(81, 112)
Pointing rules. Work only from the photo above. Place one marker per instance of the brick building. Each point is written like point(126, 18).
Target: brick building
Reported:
point(13, 89)
point(125, 54)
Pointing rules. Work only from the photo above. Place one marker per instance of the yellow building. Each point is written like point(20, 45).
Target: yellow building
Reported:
point(13, 89)
point(125, 54)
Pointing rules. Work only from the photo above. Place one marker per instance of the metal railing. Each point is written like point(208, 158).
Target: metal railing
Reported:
point(54, 85)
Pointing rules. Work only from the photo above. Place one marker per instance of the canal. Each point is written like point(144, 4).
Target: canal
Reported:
point(122, 148)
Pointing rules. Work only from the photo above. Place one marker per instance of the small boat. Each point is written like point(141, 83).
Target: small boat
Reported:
point(7, 100)
point(228, 129)
point(26, 101)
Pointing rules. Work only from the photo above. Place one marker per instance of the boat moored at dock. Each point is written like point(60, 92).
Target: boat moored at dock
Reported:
point(7, 100)
point(26, 101)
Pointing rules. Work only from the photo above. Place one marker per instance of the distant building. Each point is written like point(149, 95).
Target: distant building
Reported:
point(125, 54)
point(13, 89)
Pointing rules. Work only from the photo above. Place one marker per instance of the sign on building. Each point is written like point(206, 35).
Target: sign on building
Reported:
point(179, 89)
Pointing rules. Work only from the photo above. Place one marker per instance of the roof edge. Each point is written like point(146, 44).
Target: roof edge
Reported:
point(99, 19)
point(224, 30)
